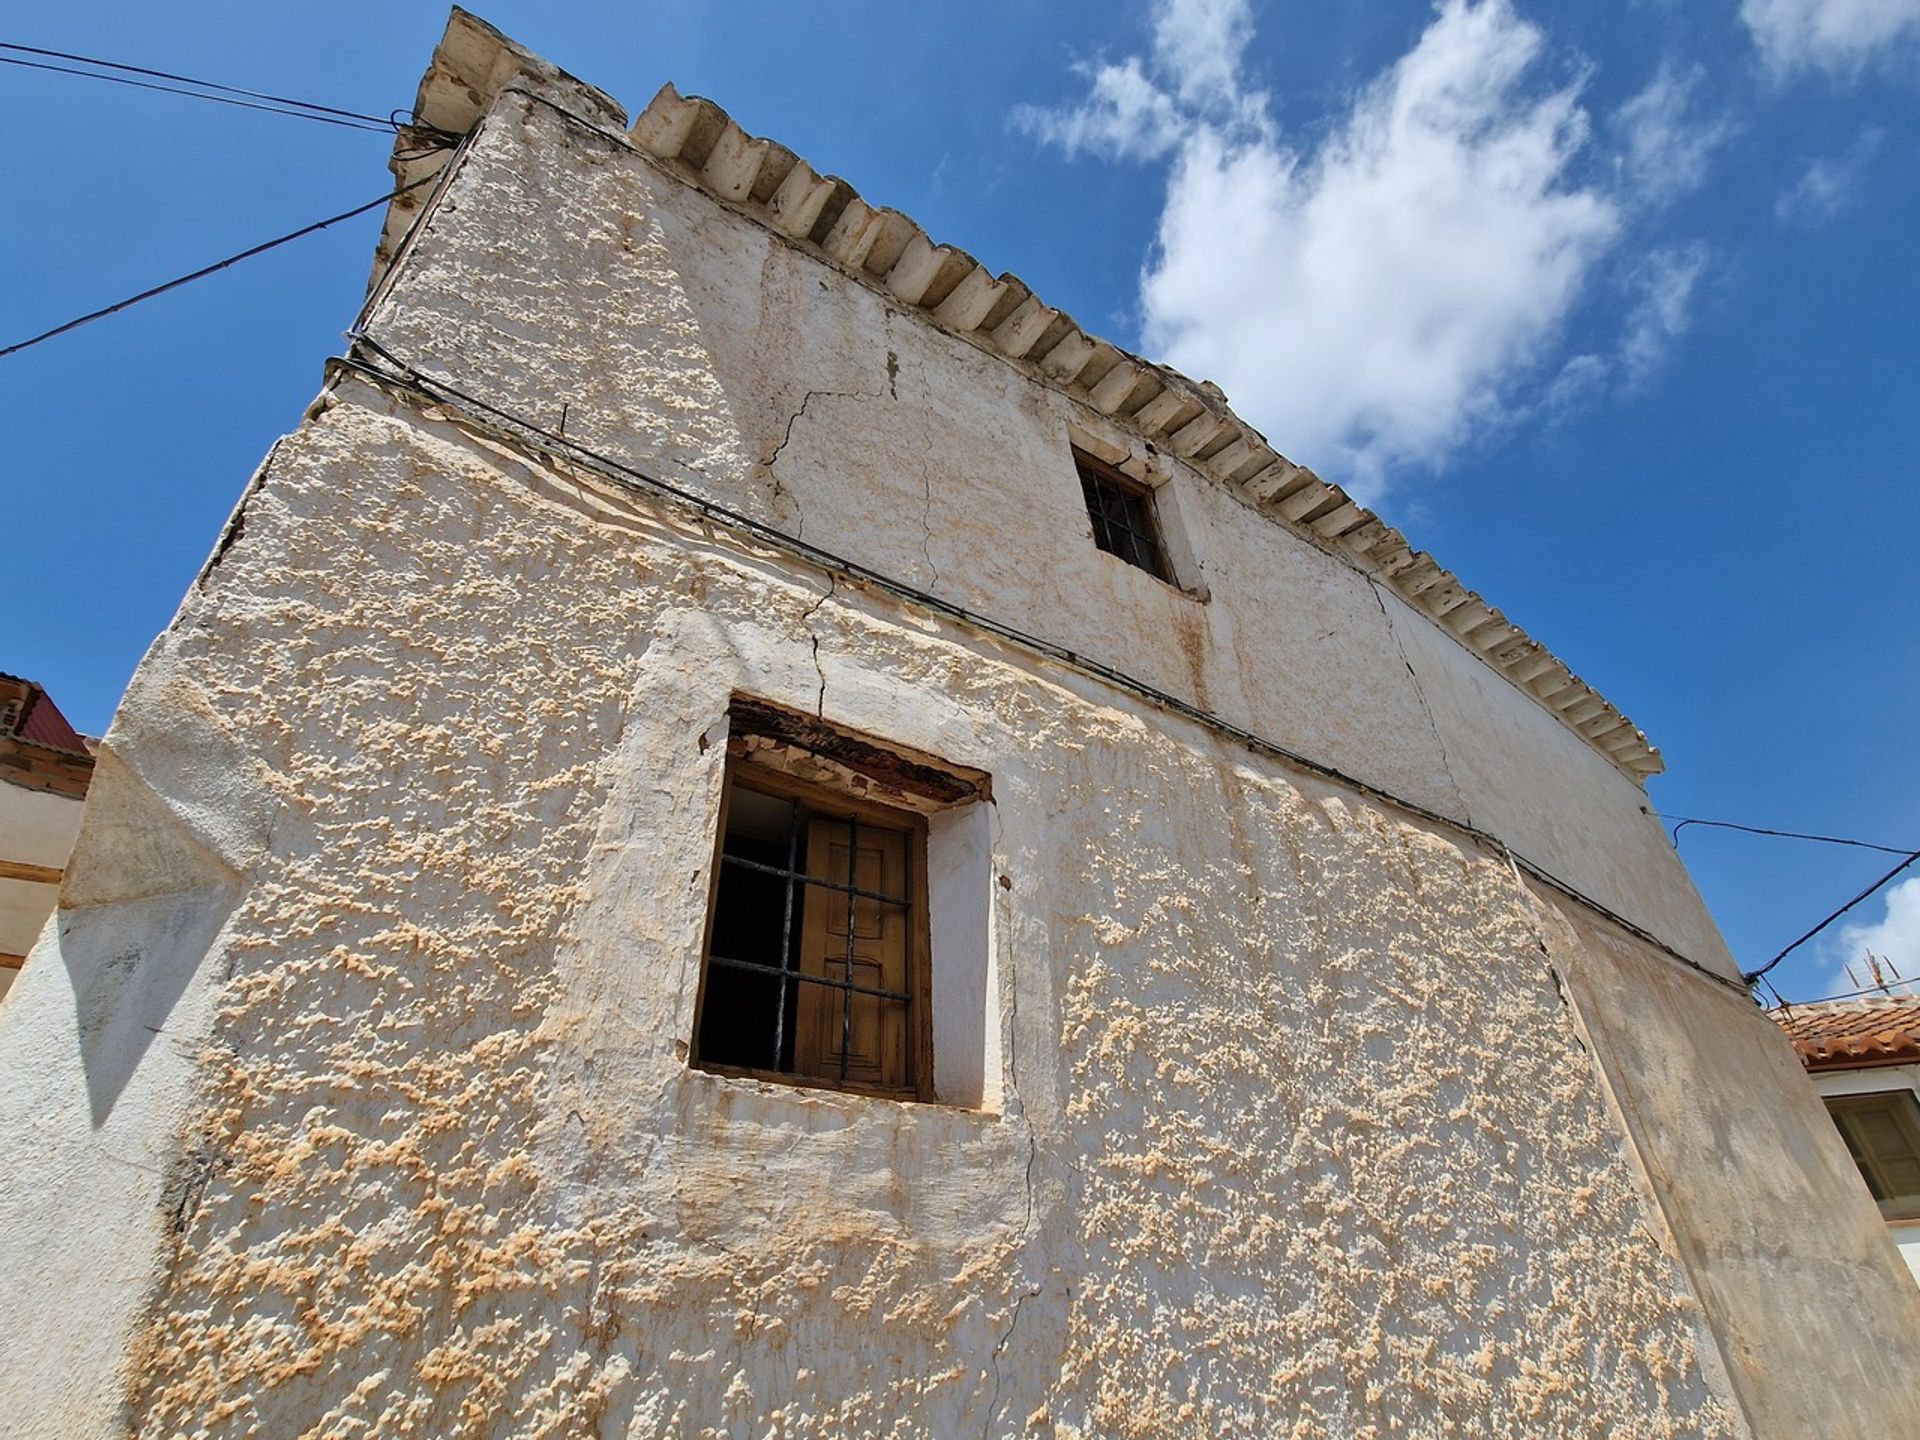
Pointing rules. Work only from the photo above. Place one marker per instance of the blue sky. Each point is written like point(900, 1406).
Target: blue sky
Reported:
point(1613, 308)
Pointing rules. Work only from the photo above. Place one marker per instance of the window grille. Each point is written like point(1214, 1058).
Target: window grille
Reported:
point(1121, 509)
point(816, 938)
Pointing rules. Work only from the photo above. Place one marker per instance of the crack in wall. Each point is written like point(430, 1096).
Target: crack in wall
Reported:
point(993, 1405)
point(1012, 1094)
point(786, 438)
point(1420, 693)
point(806, 619)
point(926, 508)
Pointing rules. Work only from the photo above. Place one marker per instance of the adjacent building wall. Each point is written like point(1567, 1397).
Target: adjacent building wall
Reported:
point(37, 830)
point(1875, 1080)
point(44, 770)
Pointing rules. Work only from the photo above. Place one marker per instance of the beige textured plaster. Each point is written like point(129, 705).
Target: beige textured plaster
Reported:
point(568, 280)
point(1298, 1137)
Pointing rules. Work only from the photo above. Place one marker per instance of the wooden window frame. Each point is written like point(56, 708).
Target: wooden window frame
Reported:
point(1905, 1110)
point(1095, 473)
point(833, 803)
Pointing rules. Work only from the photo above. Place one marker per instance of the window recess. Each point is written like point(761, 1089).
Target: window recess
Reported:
point(1121, 510)
point(818, 964)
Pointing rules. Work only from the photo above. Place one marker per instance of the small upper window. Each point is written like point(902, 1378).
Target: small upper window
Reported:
point(1882, 1132)
point(1121, 509)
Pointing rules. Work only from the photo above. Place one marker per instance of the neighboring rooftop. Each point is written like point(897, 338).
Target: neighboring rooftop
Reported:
point(28, 713)
point(885, 250)
point(1853, 1034)
point(39, 749)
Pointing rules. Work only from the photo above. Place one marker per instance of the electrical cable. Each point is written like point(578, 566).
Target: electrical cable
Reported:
point(1880, 990)
point(217, 266)
point(1753, 975)
point(1683, 821)
point(308, 109)
point(381, 128)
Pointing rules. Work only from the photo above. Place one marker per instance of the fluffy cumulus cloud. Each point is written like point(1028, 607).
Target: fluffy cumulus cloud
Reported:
point(1893, 939)
point(1837, 37)
point(1829, 185)
point(1371, 299)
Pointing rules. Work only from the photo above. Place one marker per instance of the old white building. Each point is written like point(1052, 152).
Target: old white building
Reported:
point(749, 833)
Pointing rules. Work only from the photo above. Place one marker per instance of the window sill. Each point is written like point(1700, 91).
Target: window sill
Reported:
point(1198, 594)
point(801, 1082)
point(736, 1074)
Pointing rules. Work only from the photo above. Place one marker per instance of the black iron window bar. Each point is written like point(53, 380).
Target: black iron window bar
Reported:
point(1124, 525)
point(791, 873)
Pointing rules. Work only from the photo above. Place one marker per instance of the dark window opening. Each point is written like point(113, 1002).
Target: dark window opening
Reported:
point(1121, 509)
point(814, 941)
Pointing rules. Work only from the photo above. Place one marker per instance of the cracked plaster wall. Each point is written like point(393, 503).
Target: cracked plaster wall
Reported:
point(565, 270)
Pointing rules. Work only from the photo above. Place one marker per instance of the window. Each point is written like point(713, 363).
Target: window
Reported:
point(817, 967)
point(1121, 509)
point(1882, 1132)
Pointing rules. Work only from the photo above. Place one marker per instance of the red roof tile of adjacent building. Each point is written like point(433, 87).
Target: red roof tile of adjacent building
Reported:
point(39, 750)
point(1854, 1034)
point(42, 723)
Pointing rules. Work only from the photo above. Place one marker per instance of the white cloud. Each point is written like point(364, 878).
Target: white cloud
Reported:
point(1663, 285)
point(1894, 937)
point(1580, 380)
point(1840, 37)
point(1369, 301)
point(1199, 44)
point(1125, 116)
point(1829, 185)
point(1669, 143)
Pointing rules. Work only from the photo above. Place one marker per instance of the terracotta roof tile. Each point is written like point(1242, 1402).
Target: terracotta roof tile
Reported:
point(1853, 1034)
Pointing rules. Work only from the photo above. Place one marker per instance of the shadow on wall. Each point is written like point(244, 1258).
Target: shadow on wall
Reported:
point(142, 904)
point(128, 966)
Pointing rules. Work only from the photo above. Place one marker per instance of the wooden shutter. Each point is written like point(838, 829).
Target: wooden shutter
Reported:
point(874, 1031)
point(1885, 1141)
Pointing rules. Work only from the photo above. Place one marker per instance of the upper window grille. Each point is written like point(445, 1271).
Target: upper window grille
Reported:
point(1121, 509)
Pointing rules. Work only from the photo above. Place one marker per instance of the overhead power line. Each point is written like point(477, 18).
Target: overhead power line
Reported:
point(1860, 994)
point(218, 265)
point(1753, 975)
point(1683, 821)
point(194, 89)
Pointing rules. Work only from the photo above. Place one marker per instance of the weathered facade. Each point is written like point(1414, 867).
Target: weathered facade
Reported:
point(1323, 1039)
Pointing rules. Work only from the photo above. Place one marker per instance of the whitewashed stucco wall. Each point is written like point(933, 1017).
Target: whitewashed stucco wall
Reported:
point(684, 340)
point(1297, 1131)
